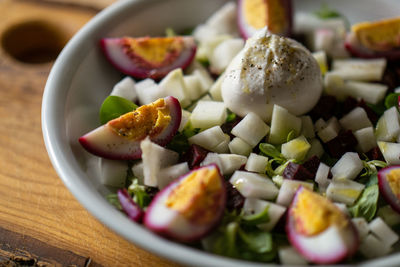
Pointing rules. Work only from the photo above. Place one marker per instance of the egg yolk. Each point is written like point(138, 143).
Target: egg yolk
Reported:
point(155, 50)
point(197, 196)
point(393, 178)
point(147, 120)
point(259, 13)
point(380, 35)
point(314, 213)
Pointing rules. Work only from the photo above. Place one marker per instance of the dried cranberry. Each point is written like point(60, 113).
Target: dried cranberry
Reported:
point(375, 154)
point(195, 155)
point(234, 200)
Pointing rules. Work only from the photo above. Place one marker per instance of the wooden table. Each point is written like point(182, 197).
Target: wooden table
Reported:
point(41, 223)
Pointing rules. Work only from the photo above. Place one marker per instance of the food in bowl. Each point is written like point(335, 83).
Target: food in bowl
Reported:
point(298, 184)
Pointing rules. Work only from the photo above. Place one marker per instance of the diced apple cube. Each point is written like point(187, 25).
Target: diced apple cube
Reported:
point(344, 191)
point(174, 85)
point(288, 190)
point(125, 88)
point(215, 90)
point(227, 163)
point(316, 149)
point(296, 148)
point(334, 85)
point(307, 127)
point(212, 158)
point(327, 133)
point(372, 93)
point(256, 163)
point(255, 206)
point(390, 216)
point(223, 147)
point(148, 91)
point(184, 120)
point(372, 247)
point(347, 167)
point(205, 78)
point(388, 126)
point(321, 58)
point(193, 86)
point(383, 231)
point(282, 123)
point(320, 124)
point(224, 19)
point(254, 185)
point(366, 139)
point(137, 170)
point(205, 97)
point(240, 147)
point(390, 151)
point(167, 175)
point(207, 114)
point(362, 227)
point(112, 172)
point(355, 120)
point(155, 158)
point(223, 54)
point(251, 129)
point(206, 47)
point(209, 138)
point(360, 69)
point(321, 176)
point(289, 256)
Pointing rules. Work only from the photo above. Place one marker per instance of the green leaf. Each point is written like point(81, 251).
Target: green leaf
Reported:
point(366, 205)
point(271, 151)
point(379, 109)
point(115, 106)
point(113, 200)
point(257, 241)
point(291, 135)
point(326, 12)
point(189, 130)
point(392, 100)
point(258, 218)
point(179, 143)
point(140, 195)
point(231, 116)
point(169, 32)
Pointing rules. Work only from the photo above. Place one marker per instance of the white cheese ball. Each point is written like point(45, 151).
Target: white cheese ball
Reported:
point(270, 70)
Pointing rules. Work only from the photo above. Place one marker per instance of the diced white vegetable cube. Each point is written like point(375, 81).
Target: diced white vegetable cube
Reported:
point(193, 86)
point(199, 70)
point(320, 124)
point(174, 85)
point(223, 147)
point(282, 123)
point(112, 172)
point(254, 185)
point(316, 149)
point(167, 175)
point(333, 121)
point(209, 138)
point(296, 148)
point(125, 88)
point(334, 85)
point(155, 158)
point(307, 127)
point(362, 227)
point(251, 129)
point(205, 97)
point(137, 171)
point(328, 133)
point(321, 58)
point(390, 216)
point(372, 247)
point(215, 89)
point(207, 114)
point(366, 139)
point(388, 126)
point(289, 256)
point(256, 163)
point(391, 152)
point(288, 189)
point(227, 163)
point(347, 167)
point(355, 120)
point(344, 191)
point(184, 120)
point(321, 176)
point(223, 54)
point(240, 147)
point(254, 206)
point(148, 91)
point(224, 19)
point(378, 227)
point(342, 207)
point(202, 33)
point(372, 93)
point(323, 39)
point(360, 69)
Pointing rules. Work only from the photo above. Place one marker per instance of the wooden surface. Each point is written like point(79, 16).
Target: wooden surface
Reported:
point(41, 224)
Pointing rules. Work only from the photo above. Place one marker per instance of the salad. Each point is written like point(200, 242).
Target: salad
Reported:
point(258, 135)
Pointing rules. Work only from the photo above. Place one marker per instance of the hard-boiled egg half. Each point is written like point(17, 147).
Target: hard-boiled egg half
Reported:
point(120, 138)
point(389, 185)
point(272, 70)
point(319, 230)
point(190, 207)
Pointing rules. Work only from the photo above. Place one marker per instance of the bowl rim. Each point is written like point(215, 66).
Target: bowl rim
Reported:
point(55, 144)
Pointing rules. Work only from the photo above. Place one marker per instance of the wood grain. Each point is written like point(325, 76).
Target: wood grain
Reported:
point(38, 215)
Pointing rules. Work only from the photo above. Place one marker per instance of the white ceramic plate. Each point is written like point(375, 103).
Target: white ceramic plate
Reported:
point(81, 79)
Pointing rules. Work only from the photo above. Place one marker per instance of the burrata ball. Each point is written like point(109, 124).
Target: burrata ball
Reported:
point(270, 70)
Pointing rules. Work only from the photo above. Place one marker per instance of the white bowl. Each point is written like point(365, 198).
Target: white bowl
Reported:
point(81, 78)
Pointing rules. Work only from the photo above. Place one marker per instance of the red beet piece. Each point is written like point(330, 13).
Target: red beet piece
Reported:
point(234, 200)
point(341, 144)
point(195, 155)
point(312, 164)
point(373, 117)
point(294, 171)
point(131, 209)
point(324, 108)
point(375, 154)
